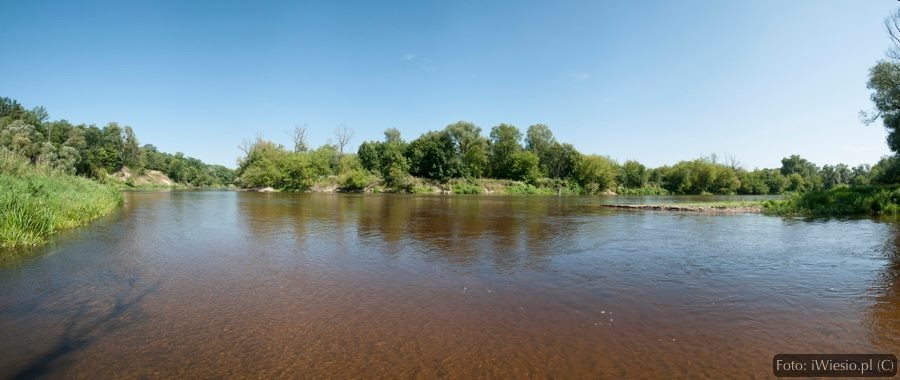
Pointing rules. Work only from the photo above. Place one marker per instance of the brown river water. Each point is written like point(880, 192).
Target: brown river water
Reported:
point(245, 285)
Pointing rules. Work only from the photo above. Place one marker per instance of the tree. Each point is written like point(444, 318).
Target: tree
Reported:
point(562, 160)
point(524, 166)
point(132, 151)
point(369, 154)
point(298, 137)
point(835, 175)
point(432, 155)
point(884, 81)
point(342, 135)
point(539, 140)
point(634, 174)
point(596, 173)
point(799, 165)
point(505, 140)
point(470, 148)
point(392, 136)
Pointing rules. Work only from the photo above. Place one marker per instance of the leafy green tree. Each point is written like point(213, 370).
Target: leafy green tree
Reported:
point(678, 179)
point(752, 183)
point(432, 155)
point(324, 160)
point(596, 173)
point(524, 166)
point(861, 175)
point(799, 165)
point(775, 181)
point(634, 174)
point(131, 150)
point(835, 175)
point(369, 153)
point(540, 141)
point(470, 148)
point(561, 161)
point(504, 143)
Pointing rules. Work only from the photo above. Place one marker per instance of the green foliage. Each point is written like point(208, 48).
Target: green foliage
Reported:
point(369, 154)
point(596, 174)
point(802, 175)
point(528, 189)
point(470, 148)
point(646, 190)
point(95, 152)
point(561, 161)
point(466, 188)
point(840, 200)
point(523, 166)
point(356, 180)
point(886, 171)
point(701, 176)
point(884, 81)
point(37, 201)
point(504, 144)
point(433, 156)
point(633, 175)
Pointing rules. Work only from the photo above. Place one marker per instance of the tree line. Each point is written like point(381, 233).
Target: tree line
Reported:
point(93, 151)
point(460, 152)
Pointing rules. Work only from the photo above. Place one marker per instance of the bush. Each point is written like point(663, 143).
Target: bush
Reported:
point(841, 200)
point(356, 180)
point(466, 188)
point(528, 189)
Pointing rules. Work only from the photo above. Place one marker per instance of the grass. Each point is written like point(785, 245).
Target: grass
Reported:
point(842, 200)
point(36, 202)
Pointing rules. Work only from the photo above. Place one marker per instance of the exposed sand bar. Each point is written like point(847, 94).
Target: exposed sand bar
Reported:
point(711, 209)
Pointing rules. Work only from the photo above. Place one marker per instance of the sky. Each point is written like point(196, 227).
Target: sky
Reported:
point(654, 81)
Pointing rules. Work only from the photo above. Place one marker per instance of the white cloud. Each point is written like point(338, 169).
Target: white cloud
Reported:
point(408, 56)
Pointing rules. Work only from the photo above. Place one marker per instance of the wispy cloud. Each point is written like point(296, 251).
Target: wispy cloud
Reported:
point(424, 63)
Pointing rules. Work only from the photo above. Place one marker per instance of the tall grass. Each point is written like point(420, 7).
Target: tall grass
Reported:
point(36, 202)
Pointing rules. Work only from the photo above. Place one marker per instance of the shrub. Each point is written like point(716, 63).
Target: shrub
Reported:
point(356, 180)
point(466, 188)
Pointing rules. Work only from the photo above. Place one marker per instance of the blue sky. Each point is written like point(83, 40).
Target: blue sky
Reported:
point(656, 81)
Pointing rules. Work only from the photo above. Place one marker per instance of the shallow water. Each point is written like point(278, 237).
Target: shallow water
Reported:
point(224, 284)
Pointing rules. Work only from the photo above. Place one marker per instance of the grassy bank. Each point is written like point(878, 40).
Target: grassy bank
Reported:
point(843, 200)
point(36, 202)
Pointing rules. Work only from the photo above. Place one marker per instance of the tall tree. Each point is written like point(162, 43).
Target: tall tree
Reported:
point(505, 140)
point(540, 141)
point(343, 135)
point(470, 147)
point(884, 81)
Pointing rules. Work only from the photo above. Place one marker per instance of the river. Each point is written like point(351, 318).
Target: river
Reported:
point(226, 284)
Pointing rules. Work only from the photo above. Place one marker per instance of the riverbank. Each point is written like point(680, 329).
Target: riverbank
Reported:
point(38, 202)
point(414, 185)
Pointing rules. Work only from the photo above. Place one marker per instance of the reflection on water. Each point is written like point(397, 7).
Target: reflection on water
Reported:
point(218, 284)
